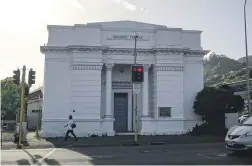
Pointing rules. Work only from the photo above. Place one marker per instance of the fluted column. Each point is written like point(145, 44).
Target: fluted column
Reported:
point(108, 110)
point(146, 91)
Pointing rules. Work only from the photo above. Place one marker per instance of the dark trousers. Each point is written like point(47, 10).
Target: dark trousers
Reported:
point(67, 133)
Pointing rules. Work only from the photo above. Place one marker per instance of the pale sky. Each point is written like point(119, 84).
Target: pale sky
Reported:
point(23, 24)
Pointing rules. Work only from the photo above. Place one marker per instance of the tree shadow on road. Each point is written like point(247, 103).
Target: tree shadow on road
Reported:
point(243, 155)
point(35, 159)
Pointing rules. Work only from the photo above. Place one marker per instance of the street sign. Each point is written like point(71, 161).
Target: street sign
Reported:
point(136, 89)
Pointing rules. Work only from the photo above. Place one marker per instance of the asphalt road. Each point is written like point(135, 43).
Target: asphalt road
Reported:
point(193, 154)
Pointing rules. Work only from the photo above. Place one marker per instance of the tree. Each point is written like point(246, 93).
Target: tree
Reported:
point(212, 104)
point(10, 99)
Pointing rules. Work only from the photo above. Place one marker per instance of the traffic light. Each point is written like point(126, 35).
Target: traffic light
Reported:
point(137, 74)
point(16, 77)
point(25, 107)
point(26, 93)
point(31, 78)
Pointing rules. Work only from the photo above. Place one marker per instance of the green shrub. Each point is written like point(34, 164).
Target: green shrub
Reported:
point(206, 129)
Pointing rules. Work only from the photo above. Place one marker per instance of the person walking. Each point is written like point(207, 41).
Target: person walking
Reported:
point(71, 125)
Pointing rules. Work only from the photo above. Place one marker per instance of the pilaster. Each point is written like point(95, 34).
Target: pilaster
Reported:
point(108, 110)
point(145, 95)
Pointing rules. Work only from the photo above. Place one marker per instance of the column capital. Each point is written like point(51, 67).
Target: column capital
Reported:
point(109, 66)
point(146, 67)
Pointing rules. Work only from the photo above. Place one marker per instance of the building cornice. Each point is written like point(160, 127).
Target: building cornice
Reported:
point(86, 67)
point(109, 50)
point(49, 49)
point(168, 68)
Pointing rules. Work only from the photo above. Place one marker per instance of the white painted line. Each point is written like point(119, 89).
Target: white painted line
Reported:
point(47, 155)
point(43, 149)
point(106, 156)
point(19, 150)
point(222, 155)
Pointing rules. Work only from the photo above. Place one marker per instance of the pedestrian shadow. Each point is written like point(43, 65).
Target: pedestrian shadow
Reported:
point(23, 162)
point(35, 158)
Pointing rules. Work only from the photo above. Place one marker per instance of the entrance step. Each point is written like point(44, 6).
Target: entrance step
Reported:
point(129, 133)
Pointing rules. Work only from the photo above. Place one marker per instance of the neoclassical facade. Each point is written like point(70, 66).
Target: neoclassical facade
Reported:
point(88, 75)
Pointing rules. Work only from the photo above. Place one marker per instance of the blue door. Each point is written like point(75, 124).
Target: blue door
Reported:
point(121, 112)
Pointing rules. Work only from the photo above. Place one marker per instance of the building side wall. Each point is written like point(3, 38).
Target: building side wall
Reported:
point(86, 94)
point(193, 83)
point(56, 86)
point(170, 91)
point(56, 97)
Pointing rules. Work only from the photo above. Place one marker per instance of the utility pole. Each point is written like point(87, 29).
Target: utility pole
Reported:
point(135, 95)
point(246, 48)
point(21, 115)
point(137, 79)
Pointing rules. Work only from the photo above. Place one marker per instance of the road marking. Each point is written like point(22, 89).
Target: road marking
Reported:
point(105, 156)
point(213, 155)
point(47, 155)
point(19, 150)
point(222, 155)
point(43, 149)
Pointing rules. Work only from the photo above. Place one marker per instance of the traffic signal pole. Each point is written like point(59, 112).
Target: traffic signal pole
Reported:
point(135, 95)
point(21, 115)
point(247, 61)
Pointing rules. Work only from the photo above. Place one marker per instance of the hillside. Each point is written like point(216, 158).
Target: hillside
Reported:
point(243, 60)
point(219, 69)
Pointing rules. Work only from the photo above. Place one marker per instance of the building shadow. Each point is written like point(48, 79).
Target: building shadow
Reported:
point(133, 156)
point(110, 152)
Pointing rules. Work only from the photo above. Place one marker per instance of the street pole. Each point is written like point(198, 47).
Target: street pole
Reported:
point(38, 119)
point(135, 95)
point(246, 48)
point(22, 107)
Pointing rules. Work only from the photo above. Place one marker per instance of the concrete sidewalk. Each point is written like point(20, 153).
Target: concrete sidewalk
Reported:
point(112, 141)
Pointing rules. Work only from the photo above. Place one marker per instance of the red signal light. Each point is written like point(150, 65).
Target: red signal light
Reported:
point(138, 69)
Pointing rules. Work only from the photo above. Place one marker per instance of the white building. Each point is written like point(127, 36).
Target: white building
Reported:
point(88, 74)
point(34, 109)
